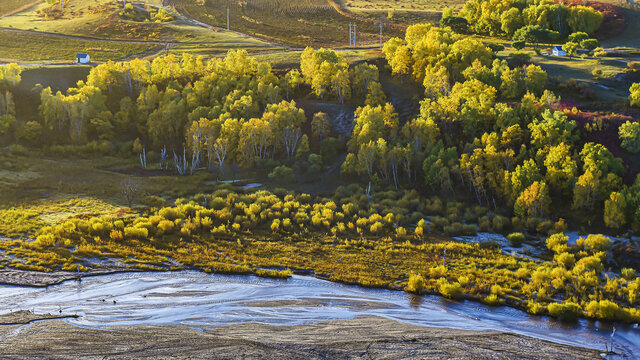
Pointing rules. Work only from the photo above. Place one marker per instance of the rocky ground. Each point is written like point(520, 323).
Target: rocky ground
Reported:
point(25, 337)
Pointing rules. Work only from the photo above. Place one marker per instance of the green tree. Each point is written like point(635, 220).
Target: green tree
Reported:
point(615, 211)
point(401, 62)
point(320, 125)
point(629, 134)
point(524, 175)
point(589, 44)
point(561, 168)
point(585, 19)
point(634, 97)
point(282, 174)
point(570, 48)
point(577, 37)
point(533, 201)
point(552, 129)
point(511, 20)
point(7, 124)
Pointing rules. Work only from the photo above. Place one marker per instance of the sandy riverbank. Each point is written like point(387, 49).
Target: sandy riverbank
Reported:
point(17, 277)
point(361, 338)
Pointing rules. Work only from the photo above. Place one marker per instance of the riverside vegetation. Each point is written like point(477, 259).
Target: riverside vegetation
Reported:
point(492, 138)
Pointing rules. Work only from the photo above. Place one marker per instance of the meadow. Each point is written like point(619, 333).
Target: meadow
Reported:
point(8, 6)
point(24, 47)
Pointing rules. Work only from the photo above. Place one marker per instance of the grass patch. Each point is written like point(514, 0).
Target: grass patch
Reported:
point(35, 47)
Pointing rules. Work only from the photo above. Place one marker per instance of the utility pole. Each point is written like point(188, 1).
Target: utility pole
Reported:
point(227, 18)
point(352, 35)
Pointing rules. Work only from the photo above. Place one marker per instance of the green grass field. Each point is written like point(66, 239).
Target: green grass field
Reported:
point(7, 6)
point(34, 47)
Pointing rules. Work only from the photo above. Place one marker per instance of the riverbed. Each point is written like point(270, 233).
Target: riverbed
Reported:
point(199, 301)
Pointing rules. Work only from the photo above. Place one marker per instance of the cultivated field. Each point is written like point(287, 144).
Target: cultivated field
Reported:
point(430, 5)
point(297, 22)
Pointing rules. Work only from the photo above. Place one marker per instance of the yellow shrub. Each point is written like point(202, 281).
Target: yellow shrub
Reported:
point(116, 235)
point(166, 226)
point(438, 271)
point(169, 213)
point(416, 284)
point(136, 233)
point(45, 241)
point(451, 290)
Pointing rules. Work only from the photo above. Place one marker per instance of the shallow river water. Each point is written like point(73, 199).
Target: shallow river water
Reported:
point(200, 300)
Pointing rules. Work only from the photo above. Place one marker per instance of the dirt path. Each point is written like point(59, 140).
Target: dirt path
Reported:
point(84, 38)
point(21, 9)
point(361, 338)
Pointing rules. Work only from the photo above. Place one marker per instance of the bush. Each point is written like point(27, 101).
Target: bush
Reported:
point(566, 311)
point(519, 58)
point(589, 44)
point(535, 308)
point(416, 284)
point(451, 290)
point(516, 239)
point(282, 174)
point(166, 226)
point(565, 259)
point(495, 47)
point(169, 213)
point(454, 229)
point(438, 271)
point(519, 45)
point(499, 223)
point(116, 235)
point(605, 310)
point(30, 133)
point(557, 243)
point(492, 300)
point(629, 274)
point(45, 241)
point(7, 123)
point(153, 201)
point(136, 233)
point(595, 243)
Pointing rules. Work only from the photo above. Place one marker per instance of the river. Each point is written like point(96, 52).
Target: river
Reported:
point(201, 300)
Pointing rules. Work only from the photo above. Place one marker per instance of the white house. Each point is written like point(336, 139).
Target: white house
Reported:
point(557, 51)
point(83, 58)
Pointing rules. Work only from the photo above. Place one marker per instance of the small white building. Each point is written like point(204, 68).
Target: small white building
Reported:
point(83, 58)
point(557, 51)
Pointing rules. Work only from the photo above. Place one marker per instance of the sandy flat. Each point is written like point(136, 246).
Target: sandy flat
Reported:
point(361, 338)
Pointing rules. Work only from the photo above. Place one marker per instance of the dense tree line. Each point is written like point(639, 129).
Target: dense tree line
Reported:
point(9, 78)
point(490, 131)
point(487, 130)
point(191, 112)
point(543, 20)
